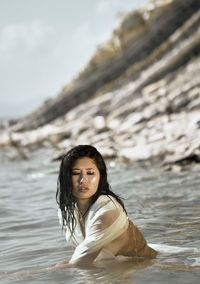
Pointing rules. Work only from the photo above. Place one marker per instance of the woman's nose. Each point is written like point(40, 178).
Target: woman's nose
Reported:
point(83, 178)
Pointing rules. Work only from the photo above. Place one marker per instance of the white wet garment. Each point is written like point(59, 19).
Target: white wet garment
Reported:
point(105, 221)
point(165, 249)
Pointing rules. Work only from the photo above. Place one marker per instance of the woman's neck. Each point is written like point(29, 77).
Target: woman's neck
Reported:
point(83, 206)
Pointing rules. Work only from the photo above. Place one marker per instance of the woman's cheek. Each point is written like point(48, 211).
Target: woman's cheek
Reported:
point(95, 180)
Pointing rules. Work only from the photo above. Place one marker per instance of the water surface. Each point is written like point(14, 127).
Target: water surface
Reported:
point(164, 205)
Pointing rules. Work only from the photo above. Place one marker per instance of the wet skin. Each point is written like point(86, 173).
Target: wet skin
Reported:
point(85, 181)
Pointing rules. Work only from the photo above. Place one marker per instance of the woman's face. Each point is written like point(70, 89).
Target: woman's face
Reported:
point(85, 178)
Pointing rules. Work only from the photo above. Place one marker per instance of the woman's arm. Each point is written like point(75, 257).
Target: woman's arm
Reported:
point(84, 261)
point(29, 272)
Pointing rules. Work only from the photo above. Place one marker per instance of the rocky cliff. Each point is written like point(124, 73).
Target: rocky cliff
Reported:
point(137, 99)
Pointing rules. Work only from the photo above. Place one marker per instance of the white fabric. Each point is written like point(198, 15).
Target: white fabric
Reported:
point(165, 249)
point(105, 221)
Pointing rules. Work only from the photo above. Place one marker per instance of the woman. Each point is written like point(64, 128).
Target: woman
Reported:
point(93, 217)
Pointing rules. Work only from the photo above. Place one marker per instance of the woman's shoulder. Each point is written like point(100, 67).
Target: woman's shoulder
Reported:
point(105, 201)
point(106, 210)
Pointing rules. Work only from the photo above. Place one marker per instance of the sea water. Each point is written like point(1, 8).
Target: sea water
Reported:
point(164, 205)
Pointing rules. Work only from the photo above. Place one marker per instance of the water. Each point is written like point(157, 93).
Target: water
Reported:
point(164, 205)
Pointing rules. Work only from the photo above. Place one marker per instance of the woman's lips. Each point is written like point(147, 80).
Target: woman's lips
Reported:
point(83, 188)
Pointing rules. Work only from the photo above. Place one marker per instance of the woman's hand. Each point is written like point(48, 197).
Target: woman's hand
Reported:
point(29, 272)
point(62, 264)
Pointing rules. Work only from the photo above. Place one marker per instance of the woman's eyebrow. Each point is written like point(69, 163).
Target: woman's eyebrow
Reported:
point(86, 169)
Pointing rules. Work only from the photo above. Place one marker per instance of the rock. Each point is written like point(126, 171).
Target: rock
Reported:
point(159, 39)
point(140, 103)
point(137, 153)
point(108, 153)
point(99, 124)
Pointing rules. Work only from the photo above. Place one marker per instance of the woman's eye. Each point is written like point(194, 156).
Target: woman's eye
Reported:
point(75, 173)
point(90, 173)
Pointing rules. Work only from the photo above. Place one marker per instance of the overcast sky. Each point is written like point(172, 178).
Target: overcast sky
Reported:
point(43, 43)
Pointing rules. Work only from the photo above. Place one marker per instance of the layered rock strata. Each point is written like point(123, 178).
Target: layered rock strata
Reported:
point(139, 100)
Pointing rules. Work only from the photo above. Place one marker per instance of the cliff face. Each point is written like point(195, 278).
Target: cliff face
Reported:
point(127, 58)
point(138, 97)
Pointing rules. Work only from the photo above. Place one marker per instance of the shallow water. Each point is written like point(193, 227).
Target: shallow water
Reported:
point(164, 205)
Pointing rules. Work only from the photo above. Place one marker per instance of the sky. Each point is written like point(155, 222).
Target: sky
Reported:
point(44, 43)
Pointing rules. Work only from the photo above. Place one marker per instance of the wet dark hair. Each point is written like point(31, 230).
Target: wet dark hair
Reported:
point(64, 195)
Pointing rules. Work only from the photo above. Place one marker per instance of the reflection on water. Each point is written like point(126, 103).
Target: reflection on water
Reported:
point(112, 272)
point(165, 206)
